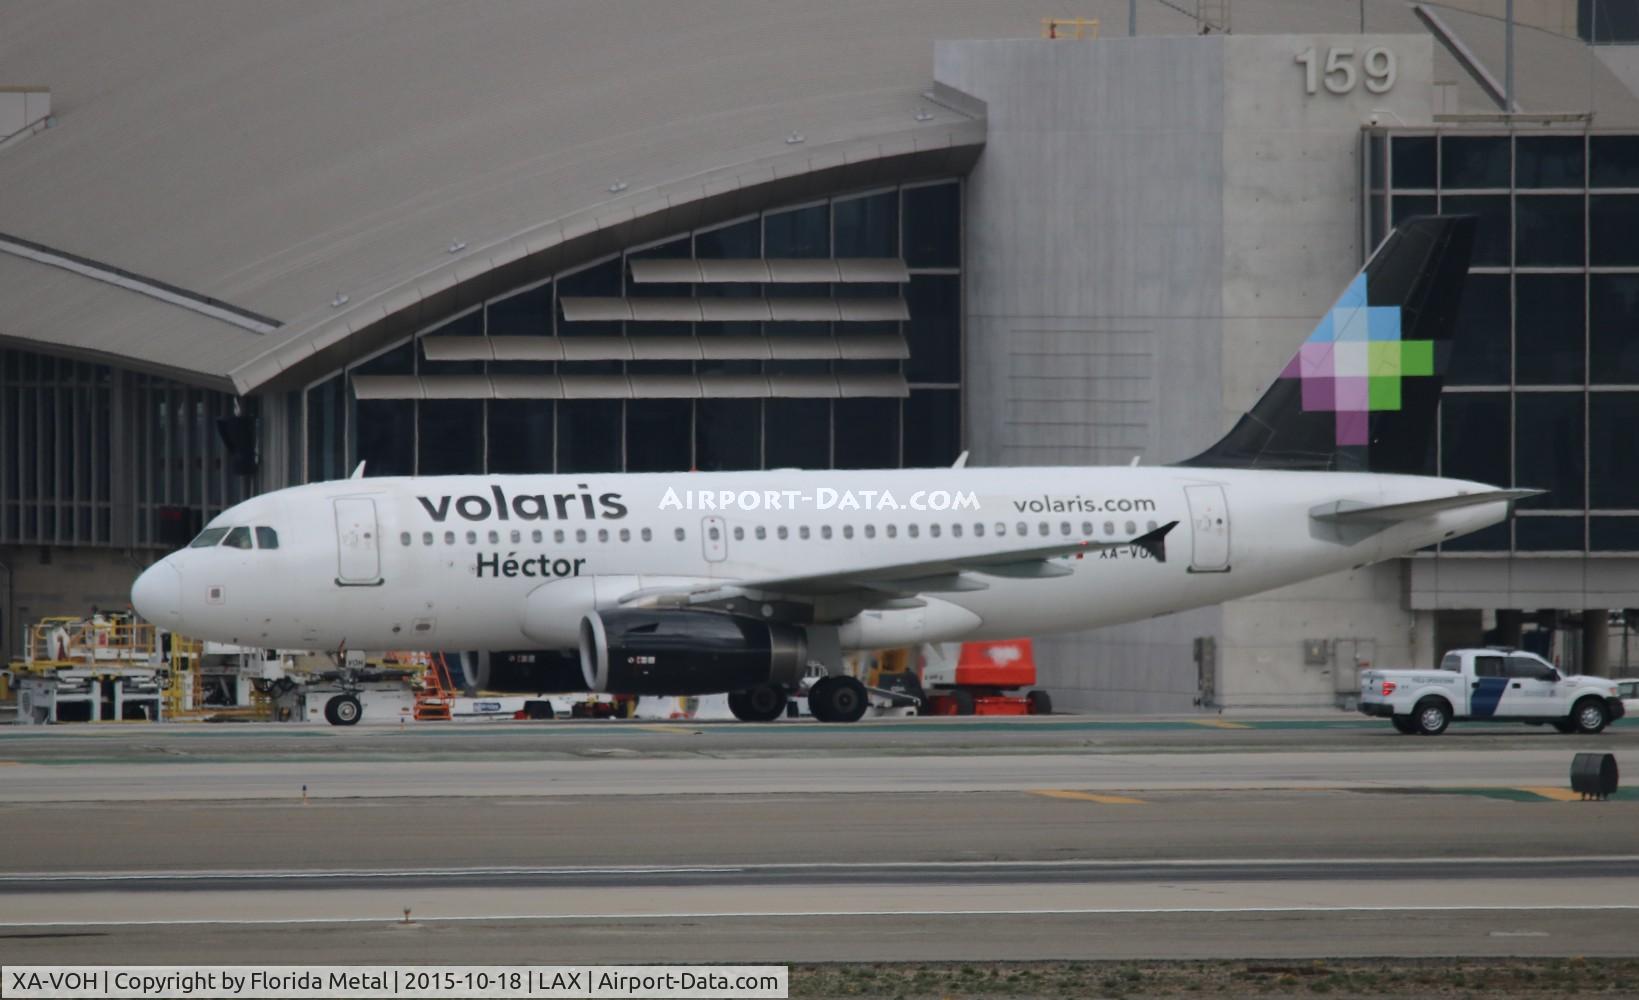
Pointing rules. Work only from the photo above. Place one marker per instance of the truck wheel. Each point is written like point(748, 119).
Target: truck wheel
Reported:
point(1565, 726)
point(963, 700)
point(1589, 716)
point(1432, 717)
point(343, 710)
point(1403, 724)
point(1040, 702)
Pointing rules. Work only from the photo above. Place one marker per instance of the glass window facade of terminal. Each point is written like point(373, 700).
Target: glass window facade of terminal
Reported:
point(91, 455)
point(920, 224)
point(1543, 390)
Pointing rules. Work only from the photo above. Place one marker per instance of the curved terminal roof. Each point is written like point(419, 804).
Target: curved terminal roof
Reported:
point(237, 192)
point(275, 157)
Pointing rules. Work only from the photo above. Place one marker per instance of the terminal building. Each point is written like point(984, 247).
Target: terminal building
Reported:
point(245, 246)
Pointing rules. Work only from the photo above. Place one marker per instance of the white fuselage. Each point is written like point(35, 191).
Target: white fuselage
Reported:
point(512, 562)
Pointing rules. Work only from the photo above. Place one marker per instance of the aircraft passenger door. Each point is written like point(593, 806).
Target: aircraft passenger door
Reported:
point(1209, 529)
point(358, 543)
point(714, 538)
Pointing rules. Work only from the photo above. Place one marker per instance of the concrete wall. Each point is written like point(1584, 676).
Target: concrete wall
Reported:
point(36, 582)
point(1093, 267)
point(1292, 239)
point(1153, 227)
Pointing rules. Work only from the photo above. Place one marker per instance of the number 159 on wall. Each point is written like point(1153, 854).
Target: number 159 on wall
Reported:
point(1342, 70)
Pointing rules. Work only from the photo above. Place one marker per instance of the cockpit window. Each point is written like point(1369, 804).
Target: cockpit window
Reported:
point(238, 538)
point(208, 538)
point(267, 538)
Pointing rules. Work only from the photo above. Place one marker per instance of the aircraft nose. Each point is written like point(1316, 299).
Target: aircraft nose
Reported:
point(157, 594)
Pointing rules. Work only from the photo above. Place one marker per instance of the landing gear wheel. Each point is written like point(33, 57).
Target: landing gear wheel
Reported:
point(538, 710)
point(1403, 724)
point(759, 704)
point(1040, 702)
point(962, 701)
point(343, 710)
point(1590, 716)
point(1432, 717)
point(838, 699)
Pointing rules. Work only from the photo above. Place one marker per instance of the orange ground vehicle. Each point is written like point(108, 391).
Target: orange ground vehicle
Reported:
point(985, 679)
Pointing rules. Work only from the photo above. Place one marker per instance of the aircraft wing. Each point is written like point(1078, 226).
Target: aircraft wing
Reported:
point(1349, 511)
point(873, 584)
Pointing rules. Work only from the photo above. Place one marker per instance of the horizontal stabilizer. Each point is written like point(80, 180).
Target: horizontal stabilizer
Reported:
point(1355, 512)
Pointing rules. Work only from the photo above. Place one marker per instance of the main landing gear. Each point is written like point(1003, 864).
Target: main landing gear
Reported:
point(838, 699)
point(831, 699)
point(759, 704)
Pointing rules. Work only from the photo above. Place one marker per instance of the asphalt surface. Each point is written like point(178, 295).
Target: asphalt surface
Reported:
point(921, 839)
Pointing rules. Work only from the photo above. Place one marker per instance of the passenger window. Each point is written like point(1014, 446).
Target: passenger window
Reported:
point(1150, 525)
point(1086, 527)
point(783, 532)
point(495, 538)
point(648, 536)
point(802, 532)
point(870, 531)
point(1488, 666)
point(426, 538)
point(1001, 529)
point(1109, 527)
point(978, 529)
point(404, 538)
point(933, 530)
point(1132, 529)
point(1042, 529)
point(1527, 668)
point(912, 530)
point(847, 531)
point(762, 533)
point(893, 531)
point(580, 534)
point(956, 531)
point(712, 532)
point(449, 538)
point(625, 534)
point(238, 538)
point(603, 534)
point(681, 535)
point(825, 532)
point(472, 538)
point(267, 538)
point(557, 536)
point(739, 534)
point(1024, 529)
point(208, 538)
point(1064, 527)
point(517, 536)
point(535, 536)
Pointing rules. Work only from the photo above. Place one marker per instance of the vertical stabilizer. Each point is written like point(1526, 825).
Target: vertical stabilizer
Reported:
point(1362, 392)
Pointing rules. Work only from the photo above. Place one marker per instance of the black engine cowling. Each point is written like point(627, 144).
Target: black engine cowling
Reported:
point(687, 652)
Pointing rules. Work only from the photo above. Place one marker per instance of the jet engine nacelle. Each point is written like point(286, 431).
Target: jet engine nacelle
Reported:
point(668, 652)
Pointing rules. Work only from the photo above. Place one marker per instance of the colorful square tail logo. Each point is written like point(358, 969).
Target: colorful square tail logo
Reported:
point(1353, 363)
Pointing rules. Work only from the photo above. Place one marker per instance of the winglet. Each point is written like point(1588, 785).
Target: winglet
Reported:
point(961, 461)
point(358, 473)
point(1155, 542)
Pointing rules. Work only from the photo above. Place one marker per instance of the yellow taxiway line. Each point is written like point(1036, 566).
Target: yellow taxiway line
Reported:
point(1065, 793)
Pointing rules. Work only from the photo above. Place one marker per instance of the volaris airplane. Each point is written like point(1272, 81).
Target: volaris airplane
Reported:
point(757, 583)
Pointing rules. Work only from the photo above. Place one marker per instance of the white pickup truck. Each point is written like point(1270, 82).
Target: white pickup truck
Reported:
point(1489, 684)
